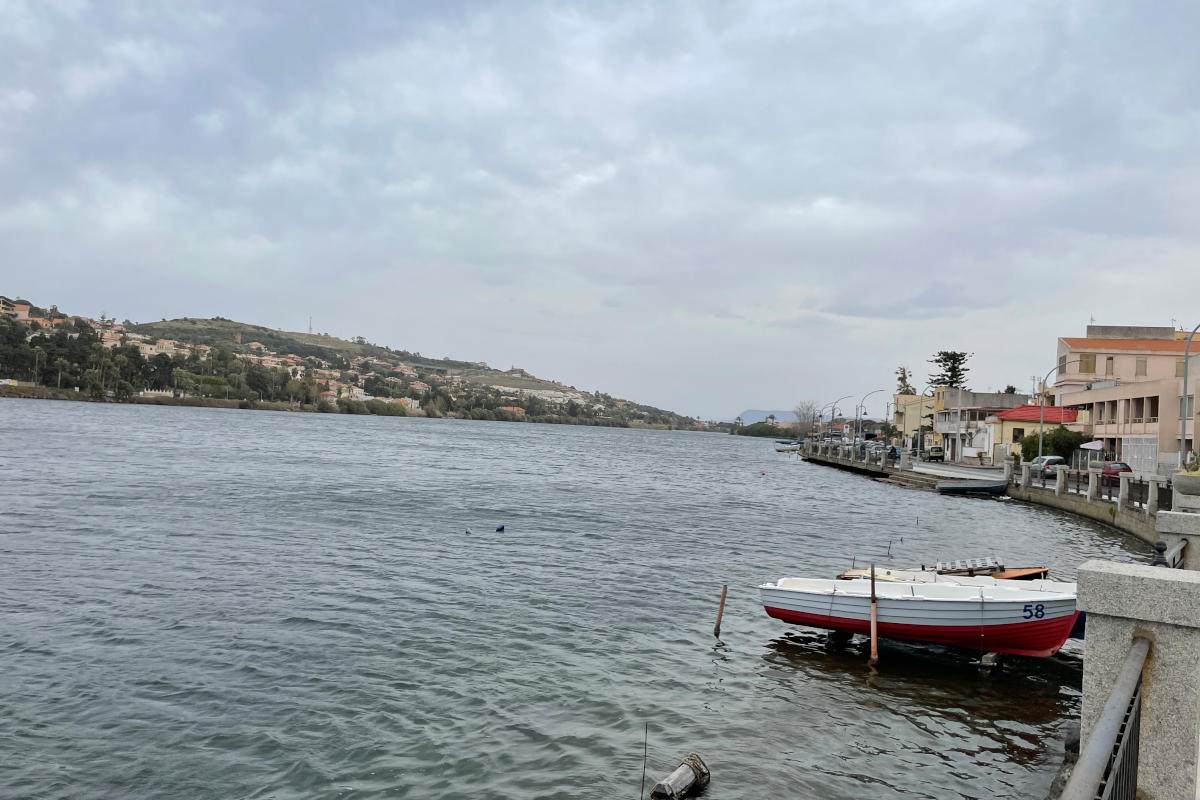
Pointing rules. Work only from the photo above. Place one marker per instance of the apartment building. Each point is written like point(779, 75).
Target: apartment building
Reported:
point(1126, 384)
point(961, 420)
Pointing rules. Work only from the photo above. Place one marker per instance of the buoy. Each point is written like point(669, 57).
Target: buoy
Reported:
point(500, 529)
point(764, 473)
point(468, 531)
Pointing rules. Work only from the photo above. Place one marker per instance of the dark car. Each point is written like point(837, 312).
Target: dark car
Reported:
point(1110, 475)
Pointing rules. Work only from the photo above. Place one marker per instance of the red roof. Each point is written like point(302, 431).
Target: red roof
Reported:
point(1028, 413)
point(1140, 345)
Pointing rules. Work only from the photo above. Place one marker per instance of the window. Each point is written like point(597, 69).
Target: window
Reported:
point(1191, 407)
point(1062, 365)
point(1179, 368)
point(1087, 363)
point(1018, 435)
point(1108, 365)
point(1139, 371)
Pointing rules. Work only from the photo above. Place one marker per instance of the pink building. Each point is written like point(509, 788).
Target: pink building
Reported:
point(1125, 383)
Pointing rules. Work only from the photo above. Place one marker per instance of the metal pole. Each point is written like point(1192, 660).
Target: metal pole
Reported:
point(1183, 409)
point(862, 407)
point(1097, 751)
point(921, 418)
point(834, 411)
point(1042, 401)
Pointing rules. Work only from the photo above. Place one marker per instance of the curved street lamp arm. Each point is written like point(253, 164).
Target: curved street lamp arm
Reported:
point(1042, 400)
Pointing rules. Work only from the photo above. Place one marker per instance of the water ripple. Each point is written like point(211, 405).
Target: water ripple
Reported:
point(213, 604)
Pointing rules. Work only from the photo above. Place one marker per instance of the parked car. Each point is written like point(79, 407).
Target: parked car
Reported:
point(1049, 466)
point(934, 453)
point(1110, 475)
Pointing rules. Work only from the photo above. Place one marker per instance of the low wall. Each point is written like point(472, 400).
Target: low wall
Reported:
point(861, 467)
point(1133, 521)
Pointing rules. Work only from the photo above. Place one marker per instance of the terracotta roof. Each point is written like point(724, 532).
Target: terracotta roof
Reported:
point(1028, 413)
point(1148, 345)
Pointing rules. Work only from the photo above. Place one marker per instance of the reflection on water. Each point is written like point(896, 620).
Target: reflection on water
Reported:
point(211, 604)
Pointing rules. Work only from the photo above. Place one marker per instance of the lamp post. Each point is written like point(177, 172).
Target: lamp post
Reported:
point(920, 417)
point(834, 410)
point(1042, 401)
point(862, 409)
point(1183, 404)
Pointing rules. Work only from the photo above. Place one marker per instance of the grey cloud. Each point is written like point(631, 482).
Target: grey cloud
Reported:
point(666, 161)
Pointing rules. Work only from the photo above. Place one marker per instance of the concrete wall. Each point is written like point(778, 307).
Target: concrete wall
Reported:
point(1123, 601)
point(1132, 521)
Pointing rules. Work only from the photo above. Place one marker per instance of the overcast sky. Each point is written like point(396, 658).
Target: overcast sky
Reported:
point(705, 207)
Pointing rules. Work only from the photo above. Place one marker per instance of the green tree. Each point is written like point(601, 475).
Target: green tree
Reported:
point(1056, 441)
point(760, 429)
point(95, 384)
point(1010, 389)
point(903, 386)
point(951, 369)
point(61, 364)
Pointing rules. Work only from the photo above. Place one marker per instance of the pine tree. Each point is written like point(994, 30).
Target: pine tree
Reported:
point(951, 369)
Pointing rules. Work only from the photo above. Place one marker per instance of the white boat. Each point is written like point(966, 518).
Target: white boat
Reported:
point(788, 448)
point(894, 575)
point(1024, 619)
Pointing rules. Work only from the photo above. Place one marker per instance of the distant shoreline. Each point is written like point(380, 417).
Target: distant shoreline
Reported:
point(47, 393)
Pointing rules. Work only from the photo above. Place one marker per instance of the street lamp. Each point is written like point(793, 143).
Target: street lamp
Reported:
point(1042, 400)
point(1183, 405)
point(833, 411)
point(920, 415)
point(862, 408)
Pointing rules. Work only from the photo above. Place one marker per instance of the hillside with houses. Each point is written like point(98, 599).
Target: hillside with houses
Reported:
point(221, 361)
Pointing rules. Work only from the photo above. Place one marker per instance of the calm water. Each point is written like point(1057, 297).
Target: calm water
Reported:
point(222, 604)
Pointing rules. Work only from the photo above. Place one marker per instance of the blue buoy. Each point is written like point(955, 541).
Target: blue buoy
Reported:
point(500, 529)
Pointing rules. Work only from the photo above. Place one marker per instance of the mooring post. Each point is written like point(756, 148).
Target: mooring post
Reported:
point(720, 612)
point(874, 634)
point(690, 777)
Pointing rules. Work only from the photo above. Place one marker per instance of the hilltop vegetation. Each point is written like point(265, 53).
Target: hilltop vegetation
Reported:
point(193, 359)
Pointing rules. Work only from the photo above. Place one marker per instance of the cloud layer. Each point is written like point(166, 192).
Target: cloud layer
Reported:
point(700, 206)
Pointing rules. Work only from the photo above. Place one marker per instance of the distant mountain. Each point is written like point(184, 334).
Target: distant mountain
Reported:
point(753, 415)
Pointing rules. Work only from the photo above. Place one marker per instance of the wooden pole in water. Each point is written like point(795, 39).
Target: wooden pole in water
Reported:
point(720, 612)
point(874, 635)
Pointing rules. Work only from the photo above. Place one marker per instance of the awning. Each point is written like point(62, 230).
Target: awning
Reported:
point(1092, 446)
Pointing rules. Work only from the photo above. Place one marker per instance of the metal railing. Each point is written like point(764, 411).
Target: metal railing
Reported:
point(1172, 558)
point(1108, 762)
point(1165, 497)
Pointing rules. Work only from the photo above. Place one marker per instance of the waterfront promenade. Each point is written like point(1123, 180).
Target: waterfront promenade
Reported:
point(1077, 493)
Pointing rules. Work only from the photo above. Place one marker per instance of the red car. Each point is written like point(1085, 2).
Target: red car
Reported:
point(1110, 475)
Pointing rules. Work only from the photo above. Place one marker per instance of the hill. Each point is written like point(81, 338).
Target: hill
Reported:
point(442, 386)
point(237, 336)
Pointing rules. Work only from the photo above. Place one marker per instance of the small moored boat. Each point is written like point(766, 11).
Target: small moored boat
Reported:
point(972, 487)
point(1022, 619)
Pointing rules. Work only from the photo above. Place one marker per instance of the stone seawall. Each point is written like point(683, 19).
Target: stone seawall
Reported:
point(1128, 520)
point(1133, 521)
point(887, 472)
